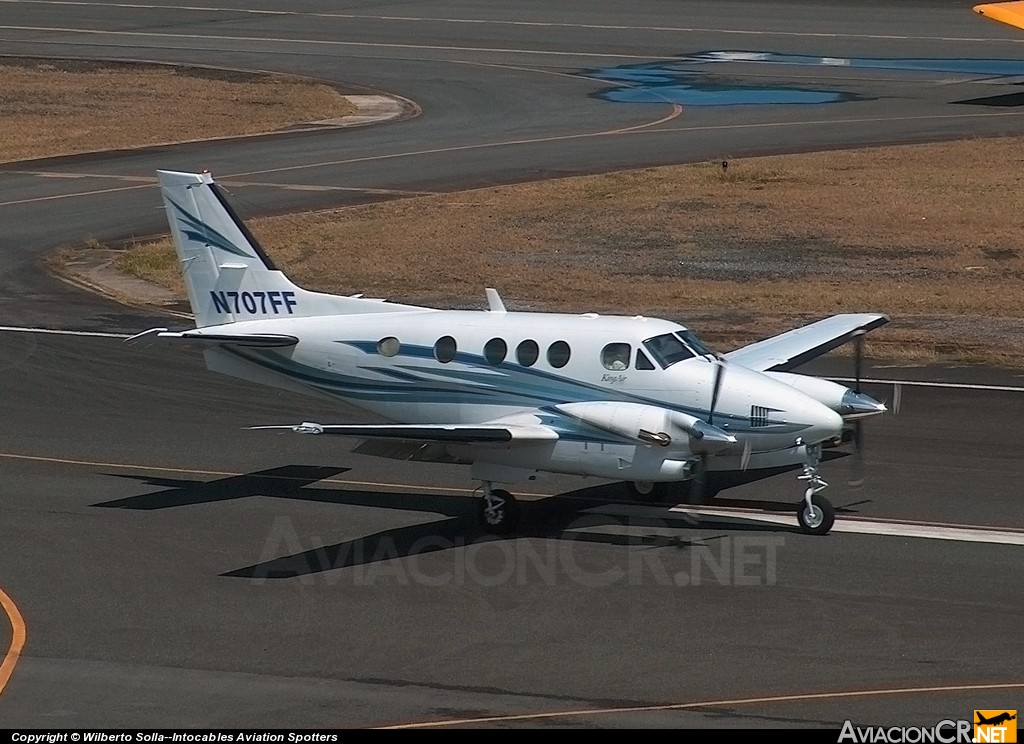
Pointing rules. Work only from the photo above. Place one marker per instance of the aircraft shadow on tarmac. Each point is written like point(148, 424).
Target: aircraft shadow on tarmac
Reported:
point(1004, 100)
point(566, 516)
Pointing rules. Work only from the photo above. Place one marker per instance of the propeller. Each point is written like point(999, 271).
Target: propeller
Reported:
point(700, 474)
point(856, 479)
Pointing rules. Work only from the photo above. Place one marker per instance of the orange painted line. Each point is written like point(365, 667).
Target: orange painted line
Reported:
point(582, 713)
point(18, 636)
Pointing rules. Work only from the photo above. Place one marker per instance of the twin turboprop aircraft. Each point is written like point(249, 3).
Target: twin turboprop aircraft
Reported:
point(632, 399)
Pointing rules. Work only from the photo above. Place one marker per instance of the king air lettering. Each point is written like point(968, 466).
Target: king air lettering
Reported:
point(271, 302)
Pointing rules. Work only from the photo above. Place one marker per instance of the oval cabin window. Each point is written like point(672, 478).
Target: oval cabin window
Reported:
point(495, 351)
point(616, 356)
point(388, 346)
point(445, 349)
point(558, 354)
point(527, 353)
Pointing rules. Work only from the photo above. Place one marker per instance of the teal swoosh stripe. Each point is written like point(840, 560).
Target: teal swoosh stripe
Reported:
point(520, 388)
point(200, 232)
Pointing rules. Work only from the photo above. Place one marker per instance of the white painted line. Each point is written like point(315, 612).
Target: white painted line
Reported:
point(962, 533)
point(927, 383)
point(503, 22)
point(60, 332)
point(852, 525)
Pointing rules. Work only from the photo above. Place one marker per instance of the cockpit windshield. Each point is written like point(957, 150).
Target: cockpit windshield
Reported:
point(690, 339)
point(670, 348)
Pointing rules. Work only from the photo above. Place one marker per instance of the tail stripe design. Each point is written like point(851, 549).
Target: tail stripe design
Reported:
point(197, 230)
point(242, 227)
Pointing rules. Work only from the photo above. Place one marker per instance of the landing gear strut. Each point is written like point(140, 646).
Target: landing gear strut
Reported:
point(498, 511)
point(814, 512)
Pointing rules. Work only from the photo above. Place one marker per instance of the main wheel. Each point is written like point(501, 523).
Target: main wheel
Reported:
point(819, 518)
point(499, 513)
point(647, 491)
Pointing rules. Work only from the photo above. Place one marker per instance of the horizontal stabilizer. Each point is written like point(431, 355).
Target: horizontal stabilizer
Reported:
point(465, 433)
point(791, 349)
point(205, 337)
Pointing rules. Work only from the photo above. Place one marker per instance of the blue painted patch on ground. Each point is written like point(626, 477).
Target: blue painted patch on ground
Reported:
point(678, 82)
point(686, 80)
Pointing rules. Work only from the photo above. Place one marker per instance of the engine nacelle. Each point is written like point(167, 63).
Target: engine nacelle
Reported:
point(651, 425)
point(841, 399)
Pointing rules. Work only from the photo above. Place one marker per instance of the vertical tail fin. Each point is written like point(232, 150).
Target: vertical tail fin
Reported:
point(227, 275)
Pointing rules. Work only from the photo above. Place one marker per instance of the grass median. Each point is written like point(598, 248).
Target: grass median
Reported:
point(928, 234)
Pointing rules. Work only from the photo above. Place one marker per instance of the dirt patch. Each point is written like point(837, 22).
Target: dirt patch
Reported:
point(928, 234)
point(63, 107)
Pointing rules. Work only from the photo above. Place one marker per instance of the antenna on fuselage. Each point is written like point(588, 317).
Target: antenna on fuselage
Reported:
point(494, 303)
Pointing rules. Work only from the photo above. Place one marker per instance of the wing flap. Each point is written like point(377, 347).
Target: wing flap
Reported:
point(451, 433)
point(791, 349)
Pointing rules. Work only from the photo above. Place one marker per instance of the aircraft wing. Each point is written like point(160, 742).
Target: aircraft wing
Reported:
point(205, 336)
point(790, 349)
point(1011, 13)
point(454, 433)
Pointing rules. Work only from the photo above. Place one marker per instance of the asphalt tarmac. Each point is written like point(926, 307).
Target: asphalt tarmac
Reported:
point(171, 568)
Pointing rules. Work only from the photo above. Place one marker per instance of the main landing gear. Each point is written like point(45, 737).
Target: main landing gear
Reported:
point(814, 512)
point(498, 511)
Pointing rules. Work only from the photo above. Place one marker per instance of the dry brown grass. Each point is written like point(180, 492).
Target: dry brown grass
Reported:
point(54, 108)
point(929, 234)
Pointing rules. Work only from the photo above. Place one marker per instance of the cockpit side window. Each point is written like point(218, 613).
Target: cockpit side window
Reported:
point(642, 362)
point(667, 349)
point(616, 356)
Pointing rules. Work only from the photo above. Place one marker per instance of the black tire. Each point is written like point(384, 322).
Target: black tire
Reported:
point(695, 494)
point(647, 491)
point(820, 520)
point(504, 518)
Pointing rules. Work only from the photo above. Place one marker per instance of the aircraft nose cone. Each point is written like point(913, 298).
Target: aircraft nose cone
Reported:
point(857, 405)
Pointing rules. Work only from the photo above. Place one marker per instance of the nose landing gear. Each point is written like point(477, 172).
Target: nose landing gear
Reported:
point(814, 513)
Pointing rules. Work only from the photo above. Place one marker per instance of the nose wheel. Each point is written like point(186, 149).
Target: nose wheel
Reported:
point(498, 511)
point(814, 513)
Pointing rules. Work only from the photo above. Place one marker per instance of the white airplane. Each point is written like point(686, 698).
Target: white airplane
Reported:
point(633, 399)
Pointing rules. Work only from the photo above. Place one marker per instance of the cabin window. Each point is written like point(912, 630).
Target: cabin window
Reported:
point(527, 353)
point(495, 351)
point(616, 356)
point(558, 354)
point(642, 362)
point(667, 349)
point(389, 346)
point(445, 349)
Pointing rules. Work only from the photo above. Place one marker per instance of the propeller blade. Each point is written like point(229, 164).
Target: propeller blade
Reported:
point(858, 360)
point(856, 479)
point(897, 398)
point(745, 457)
point(857, 463)
point(716, 389)
point(700, 474)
